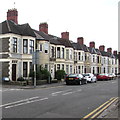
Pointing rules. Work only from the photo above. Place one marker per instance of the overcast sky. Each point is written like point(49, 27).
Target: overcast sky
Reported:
point(95, 20)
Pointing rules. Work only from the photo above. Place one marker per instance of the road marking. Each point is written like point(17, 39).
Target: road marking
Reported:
point(51, 87)
point(106, 104)
point(10, 90)
point(19, 101)
point(67, 93)
point(28, 102)
point(104, 108)
point(56, 93)
point(79, 90)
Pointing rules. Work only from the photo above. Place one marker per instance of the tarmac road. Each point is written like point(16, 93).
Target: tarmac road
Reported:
point(58, 101)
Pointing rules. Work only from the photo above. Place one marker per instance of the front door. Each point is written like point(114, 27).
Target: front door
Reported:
point(14, 72)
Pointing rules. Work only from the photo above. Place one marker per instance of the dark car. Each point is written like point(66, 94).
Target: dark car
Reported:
point(75, 79)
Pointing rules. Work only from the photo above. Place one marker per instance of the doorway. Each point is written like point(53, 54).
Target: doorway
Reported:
point(14, 72)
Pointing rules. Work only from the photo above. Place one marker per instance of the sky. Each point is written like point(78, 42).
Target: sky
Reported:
point(94, 20)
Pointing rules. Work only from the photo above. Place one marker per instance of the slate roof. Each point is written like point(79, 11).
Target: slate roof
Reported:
point(103, 53)
point(53, 39)
point(98, 51)
point(78, 46)
point(9, 26)
point(43, 36)
point(92, 50)
point(85, 48)
point(65, 42)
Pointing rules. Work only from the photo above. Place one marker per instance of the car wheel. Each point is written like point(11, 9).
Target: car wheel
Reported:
point(86, 82)
point(80, 83)
point(67, 83)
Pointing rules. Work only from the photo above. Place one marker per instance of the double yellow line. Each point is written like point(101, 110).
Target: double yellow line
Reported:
point(100, 109)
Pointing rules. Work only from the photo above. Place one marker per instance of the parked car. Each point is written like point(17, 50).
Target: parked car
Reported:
point(75, 79)
point(103, 76)
point(90, 77)
point(112, 76)
point(5, 79)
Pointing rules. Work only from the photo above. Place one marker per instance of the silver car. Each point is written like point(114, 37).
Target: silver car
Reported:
point(90, 77)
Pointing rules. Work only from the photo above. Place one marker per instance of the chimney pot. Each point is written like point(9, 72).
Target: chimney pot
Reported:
point(115, 52)
point(43, 27)
point(102, 48)
point(65, 35)
point(109, 50)
point(92, 44)
point(12, 14)
point(80, 40)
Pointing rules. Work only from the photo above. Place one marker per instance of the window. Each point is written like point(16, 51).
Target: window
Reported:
point(85, 57)
point(79, 69)
point(82, 69)
point(93, 70)
point(70, 54)
point(31, 46)
point(58, 66)
point(85, 69)
point(25, 46)
point(46, 51)
point(70, 69)
point(14, 45)
point(46, 66)
point(104, 60)
point(76, 70)
point(82, 57)
point(40, 47)
point(24, 69)
point(46, 47)
point(67, 69)
point(52, 52)
point(98, 59)
point(67, 54)
point(104, 70)
point(58, 52)
point(62, 66)
point(79, 54)
point(93, 58)
point(62, 53)
point(31, 67)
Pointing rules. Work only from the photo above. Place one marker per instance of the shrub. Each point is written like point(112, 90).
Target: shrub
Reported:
point(20, 79)
point(41, 73)
point(60, 74)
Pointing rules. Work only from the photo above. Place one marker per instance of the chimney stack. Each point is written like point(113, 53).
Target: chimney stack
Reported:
point(109, 50)
point(43, 27)
point(115, 52)
point(102, 48)
point(92, 44)
point(80, 40)
point(13, 15)
point(65, 35)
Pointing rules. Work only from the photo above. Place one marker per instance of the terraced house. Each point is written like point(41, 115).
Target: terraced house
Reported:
point(18, 42)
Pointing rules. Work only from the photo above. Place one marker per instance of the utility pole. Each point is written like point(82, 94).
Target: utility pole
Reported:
point(35, 74)
point(35, 57)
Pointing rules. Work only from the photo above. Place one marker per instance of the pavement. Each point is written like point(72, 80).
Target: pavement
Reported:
point(112, 112)
point(34, 87)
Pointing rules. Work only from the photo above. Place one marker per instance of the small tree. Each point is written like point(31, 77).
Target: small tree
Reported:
point(60, 74)
point(41, 73)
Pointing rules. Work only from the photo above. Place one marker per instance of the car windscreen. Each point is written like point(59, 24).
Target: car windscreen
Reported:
point(86, 75)
point(72, 75)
